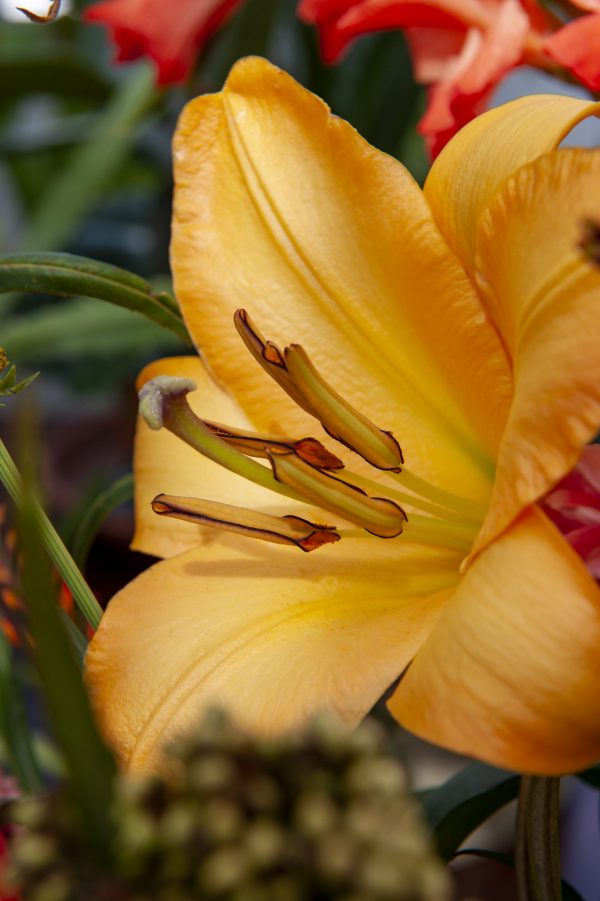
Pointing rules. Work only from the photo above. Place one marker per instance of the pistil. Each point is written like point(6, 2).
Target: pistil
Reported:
point(163, 403)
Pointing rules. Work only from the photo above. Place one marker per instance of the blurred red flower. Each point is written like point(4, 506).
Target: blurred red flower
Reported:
point(576, 46)
point(6, 894)
point(171, 34)
point(461, 48)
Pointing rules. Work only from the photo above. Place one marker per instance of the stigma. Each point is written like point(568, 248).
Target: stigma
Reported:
point(303, 469)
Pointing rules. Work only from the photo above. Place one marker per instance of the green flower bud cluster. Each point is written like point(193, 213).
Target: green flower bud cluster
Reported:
point(322, 816)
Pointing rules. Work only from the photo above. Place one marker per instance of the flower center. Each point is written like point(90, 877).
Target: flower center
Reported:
point(303, 469)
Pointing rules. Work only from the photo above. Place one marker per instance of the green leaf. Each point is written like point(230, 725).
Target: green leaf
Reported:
point(82, 594)
point(116, 494)
point(14, 726)
point(91, 166)
point(64, 274)
point(90, 766)
point(27, 70)
point(460, 805)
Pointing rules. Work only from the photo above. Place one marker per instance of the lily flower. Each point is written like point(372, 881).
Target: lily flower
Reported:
point(576, 45)
point(447, 342)
point(171, 34)
point(460, 48)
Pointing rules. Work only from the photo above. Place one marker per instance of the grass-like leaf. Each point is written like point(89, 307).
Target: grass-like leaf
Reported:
point(90, 766)
point(460, 805)
point(67, 275)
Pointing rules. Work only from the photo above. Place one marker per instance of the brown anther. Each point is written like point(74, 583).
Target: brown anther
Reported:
point(295, 373)
point(268, 355)
point(338, 417)
point(50, 16)
point(255, 445)
point(377, 515)
point(302, 533)
point(315, 453)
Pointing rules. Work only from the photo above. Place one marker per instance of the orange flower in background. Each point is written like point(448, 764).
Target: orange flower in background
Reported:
point(463, 48)
point(454, 317)
point(576, 46)
point(170, 33)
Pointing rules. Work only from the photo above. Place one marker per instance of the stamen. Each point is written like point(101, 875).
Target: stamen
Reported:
point(415, 535)
point(468, 508)
point(268, 355)
point(309, 449)
point(294, 530)
point(404, 497)
point(339, 418)
point(294, 372)
point(163, 403)
point(380, 516)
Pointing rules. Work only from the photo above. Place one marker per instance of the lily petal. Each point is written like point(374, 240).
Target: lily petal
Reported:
point(511, 671)
point(259, 631)
point(164, 464)
point(544, 296)
point(283, 207)
point(474, 164)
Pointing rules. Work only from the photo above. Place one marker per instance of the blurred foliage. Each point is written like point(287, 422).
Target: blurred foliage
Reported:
point(85, 163)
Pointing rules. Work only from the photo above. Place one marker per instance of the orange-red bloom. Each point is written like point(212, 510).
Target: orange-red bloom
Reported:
point(461, 48)
point(171, 34)
point(577, 45)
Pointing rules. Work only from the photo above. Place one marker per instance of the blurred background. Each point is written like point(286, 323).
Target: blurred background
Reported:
point(85, 167)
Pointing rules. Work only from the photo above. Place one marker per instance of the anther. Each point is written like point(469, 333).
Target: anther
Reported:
point(309, 449)
point(302, 533)
point(339, 418)
point(268, 355)
point(380, 516)
point(294, 372)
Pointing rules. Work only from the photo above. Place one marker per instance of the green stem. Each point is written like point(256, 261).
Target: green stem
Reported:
point(82, 594)
point(537, 856)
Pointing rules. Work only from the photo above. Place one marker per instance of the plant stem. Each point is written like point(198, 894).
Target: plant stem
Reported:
point(537, 857)
point(70, 574)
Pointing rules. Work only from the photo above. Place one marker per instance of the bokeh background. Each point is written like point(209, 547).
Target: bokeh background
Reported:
point(85, 167)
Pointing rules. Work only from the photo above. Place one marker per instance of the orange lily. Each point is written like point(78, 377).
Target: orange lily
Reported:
point(464, 319)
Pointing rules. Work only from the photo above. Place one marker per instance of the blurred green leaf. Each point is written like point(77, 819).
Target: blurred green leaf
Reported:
point(108, 500)
point(34, 70)
point(69, 275)
point(14, 726)
point(460, 805)
point(82, 594)
point(90, 766)
point(85, 331)
point(91, 165)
